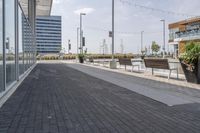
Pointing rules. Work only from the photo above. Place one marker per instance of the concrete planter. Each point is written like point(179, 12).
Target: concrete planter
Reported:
point(113, 65)
point(194, 75)
point(81, 60)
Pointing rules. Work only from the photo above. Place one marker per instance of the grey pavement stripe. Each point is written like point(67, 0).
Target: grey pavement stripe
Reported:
point(165, 96)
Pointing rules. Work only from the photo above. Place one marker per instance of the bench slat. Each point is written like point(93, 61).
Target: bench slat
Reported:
point(125, 61)
point(157, 63)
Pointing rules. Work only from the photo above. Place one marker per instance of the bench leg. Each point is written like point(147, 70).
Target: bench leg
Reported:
point(170, 71)
point(177, 74)
point(152, 72)
point(132, 69)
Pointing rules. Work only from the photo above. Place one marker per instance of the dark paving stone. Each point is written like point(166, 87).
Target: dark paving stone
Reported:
point(58, 99)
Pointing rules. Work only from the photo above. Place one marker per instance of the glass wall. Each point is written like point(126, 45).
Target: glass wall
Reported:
point(17, 56)
point(10, 41)
point(26, 43)
point(1, 48)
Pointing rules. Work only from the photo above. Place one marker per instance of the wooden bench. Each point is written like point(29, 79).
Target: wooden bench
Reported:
point(127, 62)
point(159, 64)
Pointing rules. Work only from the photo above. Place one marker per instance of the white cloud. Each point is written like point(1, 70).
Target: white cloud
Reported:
point(84, 10)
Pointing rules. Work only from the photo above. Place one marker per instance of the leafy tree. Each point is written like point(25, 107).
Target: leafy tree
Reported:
point(155, 47)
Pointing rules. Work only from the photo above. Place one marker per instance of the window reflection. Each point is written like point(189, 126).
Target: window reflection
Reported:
point(20, 49)
point(10, 40)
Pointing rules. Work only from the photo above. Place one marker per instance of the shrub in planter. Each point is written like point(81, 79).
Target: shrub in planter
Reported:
point(190, 62)
point(81, 58)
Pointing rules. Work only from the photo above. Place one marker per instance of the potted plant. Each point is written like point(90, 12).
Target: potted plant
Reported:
point(190, 62)
point(81, 58)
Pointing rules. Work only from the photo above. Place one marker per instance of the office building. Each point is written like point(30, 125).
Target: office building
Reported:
point(182, 32)
point(48, 34)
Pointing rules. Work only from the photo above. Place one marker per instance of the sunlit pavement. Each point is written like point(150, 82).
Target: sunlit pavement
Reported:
point(62, 98)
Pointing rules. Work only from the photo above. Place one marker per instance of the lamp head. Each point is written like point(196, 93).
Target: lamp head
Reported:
point(82, 13)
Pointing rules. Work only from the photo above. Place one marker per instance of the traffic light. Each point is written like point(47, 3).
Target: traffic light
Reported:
point(69, 46)
point(83, 40)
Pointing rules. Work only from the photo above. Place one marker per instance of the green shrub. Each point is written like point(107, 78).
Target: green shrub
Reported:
point(192, 53)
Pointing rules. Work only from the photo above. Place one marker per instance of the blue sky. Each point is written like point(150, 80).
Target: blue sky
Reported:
point(129, 22)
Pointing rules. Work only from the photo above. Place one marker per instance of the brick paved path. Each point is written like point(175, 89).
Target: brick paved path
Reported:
point(58, 99)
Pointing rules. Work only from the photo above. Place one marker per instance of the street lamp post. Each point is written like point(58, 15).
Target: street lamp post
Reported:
point(77, 39)
point(113, 64)
point(142, 42)
point(81, 33)
point(113, 28)
point(163, 37)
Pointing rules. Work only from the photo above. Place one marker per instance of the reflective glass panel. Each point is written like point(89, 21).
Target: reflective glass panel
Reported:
point(20, 49)
point(10, 40)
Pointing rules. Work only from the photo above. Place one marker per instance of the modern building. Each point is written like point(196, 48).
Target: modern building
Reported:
point(182, 32)
point(17, 39)
point(48, 34)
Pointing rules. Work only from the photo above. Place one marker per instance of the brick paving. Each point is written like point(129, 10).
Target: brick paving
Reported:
point(58, 99)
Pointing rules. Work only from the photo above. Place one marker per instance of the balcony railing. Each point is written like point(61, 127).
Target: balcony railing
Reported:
point(188, 34)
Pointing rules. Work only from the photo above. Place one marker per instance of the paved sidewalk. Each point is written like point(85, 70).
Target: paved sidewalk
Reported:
point(58, 99)
point(170, 94)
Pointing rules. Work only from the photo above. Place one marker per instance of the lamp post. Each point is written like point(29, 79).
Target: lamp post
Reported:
point(81, 33)
point(113, 64)
point(113, 28)
point(142, 42)
point(77, 39)
point(163, 37)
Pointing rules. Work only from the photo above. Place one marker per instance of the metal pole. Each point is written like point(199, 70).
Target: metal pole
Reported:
point(163, 37)
point(77, 39)
point(16, 42)
point(4, 46)
point(113, 27)
point(142, 41)
point(68, 46)
point(80, 33)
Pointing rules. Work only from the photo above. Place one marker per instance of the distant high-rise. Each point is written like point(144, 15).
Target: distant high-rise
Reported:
point(49, 34)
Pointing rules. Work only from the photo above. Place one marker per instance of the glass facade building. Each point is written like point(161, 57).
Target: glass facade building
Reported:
point(48, 34)
point(18, 39)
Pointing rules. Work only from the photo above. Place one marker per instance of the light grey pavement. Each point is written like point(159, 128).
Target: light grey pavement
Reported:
point(163, 92)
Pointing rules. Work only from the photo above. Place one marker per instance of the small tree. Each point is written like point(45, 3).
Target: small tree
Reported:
point(155, 47)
